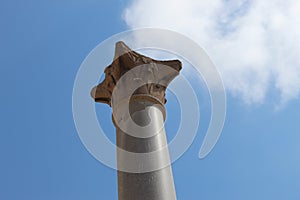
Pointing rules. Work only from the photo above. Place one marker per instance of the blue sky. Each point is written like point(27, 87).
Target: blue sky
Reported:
point(43, 44)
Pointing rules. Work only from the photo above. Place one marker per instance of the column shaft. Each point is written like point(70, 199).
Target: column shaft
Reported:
point(154, 185)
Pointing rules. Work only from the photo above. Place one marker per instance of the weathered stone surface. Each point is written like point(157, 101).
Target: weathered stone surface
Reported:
point(125, 59)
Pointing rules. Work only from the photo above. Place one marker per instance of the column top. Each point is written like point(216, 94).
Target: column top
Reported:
point(127, 60)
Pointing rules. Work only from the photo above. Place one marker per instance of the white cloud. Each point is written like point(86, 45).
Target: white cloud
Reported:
point(255, 44)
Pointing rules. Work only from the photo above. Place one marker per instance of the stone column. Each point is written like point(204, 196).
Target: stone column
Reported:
point(134, 86)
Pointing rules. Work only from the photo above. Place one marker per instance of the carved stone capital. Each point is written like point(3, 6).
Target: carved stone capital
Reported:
point(155, 74)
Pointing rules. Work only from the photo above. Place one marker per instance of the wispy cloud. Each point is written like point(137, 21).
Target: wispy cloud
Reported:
point(255, 44)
